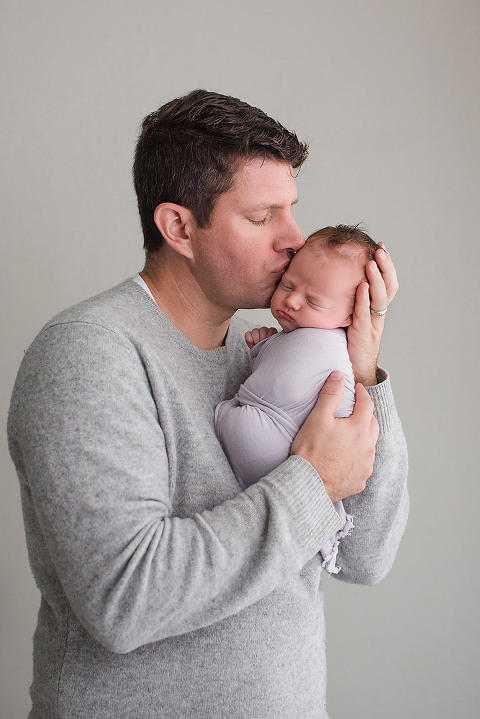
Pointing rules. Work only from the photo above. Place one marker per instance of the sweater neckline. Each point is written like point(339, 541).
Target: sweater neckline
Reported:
point(210, 356)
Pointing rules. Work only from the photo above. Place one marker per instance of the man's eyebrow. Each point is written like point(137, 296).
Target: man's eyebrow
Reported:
point(257, 208)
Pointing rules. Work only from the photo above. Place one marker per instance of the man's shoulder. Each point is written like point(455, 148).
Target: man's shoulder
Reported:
point(110, 308)
point(119, 315)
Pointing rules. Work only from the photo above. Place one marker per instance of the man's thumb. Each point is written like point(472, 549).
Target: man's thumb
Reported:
point(331, 392)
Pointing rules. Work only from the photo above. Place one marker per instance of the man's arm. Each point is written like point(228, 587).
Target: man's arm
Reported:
point(92, 459)
point(380, 506)
point(381, 510)
point(375, 493)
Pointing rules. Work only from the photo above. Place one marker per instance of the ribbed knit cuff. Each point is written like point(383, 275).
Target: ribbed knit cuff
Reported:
point(312, 510)
point(382, 397)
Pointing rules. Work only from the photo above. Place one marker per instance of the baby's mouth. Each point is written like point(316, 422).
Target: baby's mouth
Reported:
point(284, 315)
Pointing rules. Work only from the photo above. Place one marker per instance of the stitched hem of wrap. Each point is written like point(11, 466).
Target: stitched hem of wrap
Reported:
point(330, 550)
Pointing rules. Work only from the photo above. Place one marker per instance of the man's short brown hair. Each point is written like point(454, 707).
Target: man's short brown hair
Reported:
point(189, 150)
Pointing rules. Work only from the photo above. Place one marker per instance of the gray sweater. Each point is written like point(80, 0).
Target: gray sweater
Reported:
point(167, 592)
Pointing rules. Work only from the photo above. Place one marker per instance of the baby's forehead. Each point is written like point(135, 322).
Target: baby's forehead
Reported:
point(352, 251)
point(352, 256)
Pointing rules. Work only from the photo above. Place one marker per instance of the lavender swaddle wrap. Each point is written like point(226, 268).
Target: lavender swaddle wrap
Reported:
point(257, 426)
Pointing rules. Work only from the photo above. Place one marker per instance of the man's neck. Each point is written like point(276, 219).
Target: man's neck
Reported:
point(178, 295)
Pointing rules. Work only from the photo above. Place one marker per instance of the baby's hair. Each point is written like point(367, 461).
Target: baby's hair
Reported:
point(341, 235)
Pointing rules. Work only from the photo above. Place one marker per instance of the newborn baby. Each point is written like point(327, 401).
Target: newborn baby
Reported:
point(313, 304)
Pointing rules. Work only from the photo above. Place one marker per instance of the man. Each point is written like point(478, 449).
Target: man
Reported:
point(167, 592)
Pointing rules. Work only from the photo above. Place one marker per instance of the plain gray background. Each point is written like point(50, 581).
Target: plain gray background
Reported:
point(387, 93)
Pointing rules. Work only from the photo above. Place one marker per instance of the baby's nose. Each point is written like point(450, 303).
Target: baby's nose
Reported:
point(294, 301)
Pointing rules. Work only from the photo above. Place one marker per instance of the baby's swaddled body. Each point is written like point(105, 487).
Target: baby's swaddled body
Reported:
point(258, 425)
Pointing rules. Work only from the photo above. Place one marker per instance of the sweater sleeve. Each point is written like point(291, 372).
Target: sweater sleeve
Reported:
point(85, 435)
point(380, 511)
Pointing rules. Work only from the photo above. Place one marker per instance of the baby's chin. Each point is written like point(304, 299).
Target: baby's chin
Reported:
point(287, 326)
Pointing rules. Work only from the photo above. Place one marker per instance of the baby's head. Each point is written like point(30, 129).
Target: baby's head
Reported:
point(318, 289)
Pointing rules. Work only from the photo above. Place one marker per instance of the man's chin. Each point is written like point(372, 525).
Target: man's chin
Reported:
point(262, 303)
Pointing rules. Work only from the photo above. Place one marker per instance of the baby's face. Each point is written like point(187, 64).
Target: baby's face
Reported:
point(318, 289)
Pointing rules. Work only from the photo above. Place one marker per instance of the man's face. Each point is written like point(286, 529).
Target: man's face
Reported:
point(318, 289)
point(239, 259)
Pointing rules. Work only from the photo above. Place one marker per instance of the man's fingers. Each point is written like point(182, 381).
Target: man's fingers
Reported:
point(331, 393)
point(389, 273)
point(362, 304)
point(378, 292)
point(363, 409)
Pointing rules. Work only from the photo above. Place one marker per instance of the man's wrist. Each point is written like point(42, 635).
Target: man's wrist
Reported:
point(369, 379)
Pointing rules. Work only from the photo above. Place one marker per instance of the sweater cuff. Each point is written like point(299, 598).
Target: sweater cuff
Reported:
point(382, 397)
point(303, 491)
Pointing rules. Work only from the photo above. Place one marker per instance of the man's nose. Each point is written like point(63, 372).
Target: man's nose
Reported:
point(291, 237)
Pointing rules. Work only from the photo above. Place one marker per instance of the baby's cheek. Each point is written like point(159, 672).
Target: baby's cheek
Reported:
point(274, 301)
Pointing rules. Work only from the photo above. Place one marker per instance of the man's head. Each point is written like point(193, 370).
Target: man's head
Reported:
point(319, 287)
point(190, 149)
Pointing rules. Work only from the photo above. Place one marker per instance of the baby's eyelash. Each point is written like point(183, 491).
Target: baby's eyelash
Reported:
point(317, 307)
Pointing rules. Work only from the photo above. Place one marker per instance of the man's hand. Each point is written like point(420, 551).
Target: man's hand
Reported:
point(258, 334)
point(341, 450)
point(365, 332)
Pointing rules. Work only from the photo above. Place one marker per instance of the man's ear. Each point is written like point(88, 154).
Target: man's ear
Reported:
point(174, 223)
